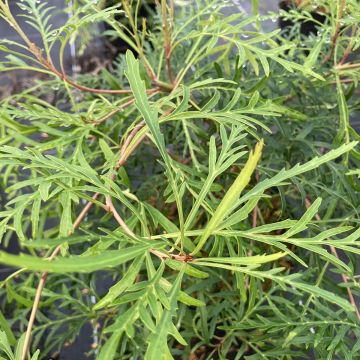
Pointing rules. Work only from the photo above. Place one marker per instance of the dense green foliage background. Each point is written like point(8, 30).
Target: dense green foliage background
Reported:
point(211, 175)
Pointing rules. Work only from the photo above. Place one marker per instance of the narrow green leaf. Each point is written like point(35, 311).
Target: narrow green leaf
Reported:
point(305, 219)
point(66, 226)
point(189, 300)
point(327, 295)
point(44, 188)
point(7, 329)
point(18, 220)
point(139, 90)
point(75, 263)
point(265, 64)
point(189, 270)
point(13, 295)
point(283, 175)
point(145, 317)
point(5, 346)
point(158, 217)
point(212, 102)
point(332, 232)
point(19, 347)
point(231, 196)
point(174, 332)
point(184, 102)
point(248, 260)
point(280, 225)
point(108, 350)
point(313, 55)
point(343, 133)
point(35, 211)
point(319, 250)
point(125, 320)
point(117, 289)
point(157, 342)
point(108, 154)
point(240, 214)
point(36, 355)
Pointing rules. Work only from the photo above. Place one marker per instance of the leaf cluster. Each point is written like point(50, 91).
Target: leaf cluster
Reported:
point(199, 199)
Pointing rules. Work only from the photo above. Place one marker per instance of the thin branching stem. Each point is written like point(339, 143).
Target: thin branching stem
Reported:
point(341, 9)
point(123, 156)
point(344, 277)
point(350, 45)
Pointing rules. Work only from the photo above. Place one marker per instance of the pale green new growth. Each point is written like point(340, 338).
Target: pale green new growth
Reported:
point(227, 203)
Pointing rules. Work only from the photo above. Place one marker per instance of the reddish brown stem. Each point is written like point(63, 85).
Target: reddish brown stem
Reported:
point(76, 224)
point(167, 37)
point(344, 81)
point(122, 107)
point(113, 112)
point(344, 278)
point(127, 230)
point(168, 66)
point(347, 66)
point(117, 217)
point(43, 277)
point(48, 65)
point(94, 91)
point(349, 47)
point(337, 31)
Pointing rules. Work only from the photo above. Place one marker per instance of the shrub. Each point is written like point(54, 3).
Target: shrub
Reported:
point(208, 180)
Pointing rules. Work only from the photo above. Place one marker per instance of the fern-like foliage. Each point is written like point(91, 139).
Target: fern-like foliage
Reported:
point(198, 199)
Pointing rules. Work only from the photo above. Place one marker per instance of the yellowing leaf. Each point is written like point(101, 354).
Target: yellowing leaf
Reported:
point(232, 195)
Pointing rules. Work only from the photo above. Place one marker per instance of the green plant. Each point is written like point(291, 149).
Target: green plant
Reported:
point(207, 179)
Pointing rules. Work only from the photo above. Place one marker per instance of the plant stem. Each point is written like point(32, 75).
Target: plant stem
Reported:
point(167, 26)
point(48, 64)
point(121, 222)
point(347, 66)
point(344, 278)
point(139, 48)
point(339, 16)
point(123, 156)
point(349, 46)
point(42, 281)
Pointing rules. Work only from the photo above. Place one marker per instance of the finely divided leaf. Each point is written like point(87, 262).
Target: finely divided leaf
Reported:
point(157, 342)
point(283, 175)
point(301, 224)
point(117, 289)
